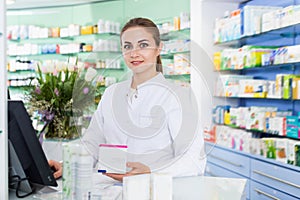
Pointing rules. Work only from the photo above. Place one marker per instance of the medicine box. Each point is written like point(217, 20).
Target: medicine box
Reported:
point(112, 158)
point(269, 150)
point(296, 87)
point(282, 150)
point(297, 154)
point(253, 88)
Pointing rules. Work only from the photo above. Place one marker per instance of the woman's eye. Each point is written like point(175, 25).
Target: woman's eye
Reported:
point(127, 47)
point(143, 45)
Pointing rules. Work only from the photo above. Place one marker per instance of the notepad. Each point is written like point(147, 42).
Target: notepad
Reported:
point(112, 158)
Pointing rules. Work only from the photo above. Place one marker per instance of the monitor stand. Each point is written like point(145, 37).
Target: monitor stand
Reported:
point(15, 169)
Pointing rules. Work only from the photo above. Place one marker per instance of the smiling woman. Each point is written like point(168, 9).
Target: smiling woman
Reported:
point(154, 118)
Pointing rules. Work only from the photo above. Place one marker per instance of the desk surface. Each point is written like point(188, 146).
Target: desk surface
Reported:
point(192, 188)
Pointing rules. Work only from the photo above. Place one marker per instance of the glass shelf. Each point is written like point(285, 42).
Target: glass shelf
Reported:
point(19, 87)
point(68, 54)
point(117, 69)
point(170, 55)
point(43, 56)
point(97, 52)
point(21, 71)
point(97, 35)
point(181, 77)
point(180, 34)
point(63, 39)
point(50, 40)
point(20, 79)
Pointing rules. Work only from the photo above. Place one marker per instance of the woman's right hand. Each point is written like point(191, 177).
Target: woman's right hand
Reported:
point(57, 166)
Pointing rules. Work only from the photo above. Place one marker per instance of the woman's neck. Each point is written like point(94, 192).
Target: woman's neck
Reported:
point(140, 78)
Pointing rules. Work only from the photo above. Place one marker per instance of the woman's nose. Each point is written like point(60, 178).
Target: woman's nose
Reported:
point(134, 53)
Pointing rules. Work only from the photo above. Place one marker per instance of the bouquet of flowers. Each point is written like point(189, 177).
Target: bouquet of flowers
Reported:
point(62, 92)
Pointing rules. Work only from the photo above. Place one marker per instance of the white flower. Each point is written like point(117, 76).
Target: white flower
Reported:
point(90, 74)
point(71, 67)
point(50, 68)
point(80, 66)
point(35, 82)
point(59, 66)
point(63, 76)
point(44, 69)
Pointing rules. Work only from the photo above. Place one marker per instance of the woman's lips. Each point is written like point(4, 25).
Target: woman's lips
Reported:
point(136, 63)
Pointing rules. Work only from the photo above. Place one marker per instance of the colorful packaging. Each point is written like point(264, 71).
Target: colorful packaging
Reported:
point(297, 154)
point(282, 150)
point(270, 147)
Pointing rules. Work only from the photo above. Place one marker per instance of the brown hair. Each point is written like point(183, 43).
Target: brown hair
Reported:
point(147, 23)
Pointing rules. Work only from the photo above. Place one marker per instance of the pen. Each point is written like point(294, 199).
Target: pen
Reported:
point(101, 171)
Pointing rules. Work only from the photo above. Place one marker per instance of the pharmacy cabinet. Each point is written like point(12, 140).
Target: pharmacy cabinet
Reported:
point(263, 192)
point(235, 162)
point(267, 179)
point(283, 178)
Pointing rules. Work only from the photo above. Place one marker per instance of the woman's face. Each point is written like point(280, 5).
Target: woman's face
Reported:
point(139, 49)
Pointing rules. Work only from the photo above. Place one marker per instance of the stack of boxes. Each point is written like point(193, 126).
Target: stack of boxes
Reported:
point(264, 119)
point(281, 149)
point(285, 86)
point(251, 20)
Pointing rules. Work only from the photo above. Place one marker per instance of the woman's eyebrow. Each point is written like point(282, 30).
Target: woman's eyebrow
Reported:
point(143, 40)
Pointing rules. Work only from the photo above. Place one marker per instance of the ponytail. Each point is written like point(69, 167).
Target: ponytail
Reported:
point(159, 64)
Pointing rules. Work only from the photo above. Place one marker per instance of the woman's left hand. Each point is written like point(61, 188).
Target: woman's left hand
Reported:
point(136, 168)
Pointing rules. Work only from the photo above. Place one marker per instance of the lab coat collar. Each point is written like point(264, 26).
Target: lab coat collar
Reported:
point(159, 78)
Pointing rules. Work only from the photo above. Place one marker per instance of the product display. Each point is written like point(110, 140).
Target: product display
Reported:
point(256, 132)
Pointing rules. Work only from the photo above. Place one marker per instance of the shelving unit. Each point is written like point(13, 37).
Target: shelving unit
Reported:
point(267, 178)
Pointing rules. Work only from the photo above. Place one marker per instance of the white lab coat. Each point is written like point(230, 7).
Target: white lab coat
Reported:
point(151, 139)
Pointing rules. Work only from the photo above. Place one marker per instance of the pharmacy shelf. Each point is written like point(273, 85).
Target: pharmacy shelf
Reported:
point(170, 55)
point(21, 71)
point(286, 35)
point(258, 133)
point(41, 41)
point(266, 98)
point(283, 66)
point(42, 57)
point(179, 34)
point(64, 39)
point(92, 55)
point(178, 76)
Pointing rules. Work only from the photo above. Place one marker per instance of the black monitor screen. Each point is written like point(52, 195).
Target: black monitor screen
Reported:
point(22, 137)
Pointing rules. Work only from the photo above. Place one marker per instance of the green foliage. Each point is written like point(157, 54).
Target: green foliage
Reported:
point(61, 96)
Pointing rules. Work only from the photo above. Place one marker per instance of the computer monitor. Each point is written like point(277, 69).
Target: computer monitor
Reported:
point(28, 166)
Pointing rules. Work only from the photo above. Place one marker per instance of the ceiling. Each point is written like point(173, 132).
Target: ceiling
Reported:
point(27, 4)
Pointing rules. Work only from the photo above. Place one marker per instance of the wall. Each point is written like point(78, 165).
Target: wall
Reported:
point(119, 11)
point(203, 15)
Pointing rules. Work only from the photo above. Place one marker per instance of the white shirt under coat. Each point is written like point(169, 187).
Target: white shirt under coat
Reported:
point(124, 116)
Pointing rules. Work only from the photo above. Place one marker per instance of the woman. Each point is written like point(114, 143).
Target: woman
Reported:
point(153, 117)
